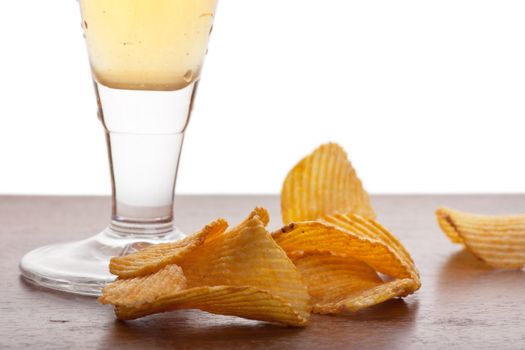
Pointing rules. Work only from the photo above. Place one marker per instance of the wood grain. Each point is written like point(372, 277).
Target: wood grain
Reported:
point(462, 303)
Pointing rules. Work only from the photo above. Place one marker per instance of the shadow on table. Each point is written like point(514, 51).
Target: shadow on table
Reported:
point(464, 260)
point(394, 310)
point(465, 275)
point(196, 329)
point(192, 329)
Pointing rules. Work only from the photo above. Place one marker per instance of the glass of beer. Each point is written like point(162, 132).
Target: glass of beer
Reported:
point(146, 57)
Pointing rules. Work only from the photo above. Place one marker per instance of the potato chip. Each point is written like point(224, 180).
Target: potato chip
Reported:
point(497, 240)
point(339, 255)
point(342, 284)
point(332, 279)
point(370, 229)
point(155, 257)
point(323, 183)
point(325, 237)
point(240, 272)
point(245, 301)
point(247, 255)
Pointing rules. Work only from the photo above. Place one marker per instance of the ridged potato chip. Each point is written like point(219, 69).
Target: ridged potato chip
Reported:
point(244, 301)
point(247, 255)
point(339, 255)
point(240, 272)
point(370, 229)
point(155, 257)
point(325, 237)
point(323, 183)
point(340, 284)
point(497, 240)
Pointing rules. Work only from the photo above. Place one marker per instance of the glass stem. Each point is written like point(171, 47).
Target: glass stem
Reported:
point(143, 181)
point(144, 133)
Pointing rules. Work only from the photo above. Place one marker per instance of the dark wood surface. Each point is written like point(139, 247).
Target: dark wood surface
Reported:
point(462, 303)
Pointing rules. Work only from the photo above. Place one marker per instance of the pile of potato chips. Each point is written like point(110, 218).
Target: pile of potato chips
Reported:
point(240, 271)
point(331, 257)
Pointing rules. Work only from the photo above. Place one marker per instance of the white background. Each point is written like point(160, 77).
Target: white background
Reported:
point(426, 96)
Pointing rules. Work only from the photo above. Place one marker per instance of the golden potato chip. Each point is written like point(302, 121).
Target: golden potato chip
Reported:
point(324, 237)
point(370, 229)
point(388, 290)
point(342, 284)
point(155, 257)
point(245, 301)
point(323, 183)
point(333, 279)
point(339, 256)
point(240, 272)
point(497, 240)
point(247, 255)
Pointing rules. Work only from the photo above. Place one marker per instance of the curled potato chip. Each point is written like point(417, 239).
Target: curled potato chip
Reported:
point(333, 279)
point(240, 272)
point(155, 257)
point(373, 230)
point(247, 255)
point(497, 240)
point(323, 183)
point(342, 284)
point(244, 301)
point(325, 237)
point(339, 256)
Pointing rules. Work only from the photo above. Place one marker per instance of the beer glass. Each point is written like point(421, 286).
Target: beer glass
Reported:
point(146, 57)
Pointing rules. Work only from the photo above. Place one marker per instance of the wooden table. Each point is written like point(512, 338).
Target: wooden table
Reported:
point(462, 303)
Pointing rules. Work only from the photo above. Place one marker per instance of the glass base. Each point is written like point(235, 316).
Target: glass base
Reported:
point(82, 267)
